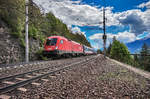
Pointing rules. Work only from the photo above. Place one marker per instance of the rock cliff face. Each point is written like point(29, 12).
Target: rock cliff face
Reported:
point(10, 48)
point(34, 48)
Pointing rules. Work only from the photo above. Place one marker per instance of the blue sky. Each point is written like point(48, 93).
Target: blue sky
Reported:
point(128, 20)
point(119, 5)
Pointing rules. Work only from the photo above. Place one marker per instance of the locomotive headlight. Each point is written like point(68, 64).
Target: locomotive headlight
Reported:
point(49, 48)
point(56, 47)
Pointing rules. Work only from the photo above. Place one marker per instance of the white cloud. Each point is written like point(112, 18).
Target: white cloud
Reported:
point(143, 36)
point(138, 21)
point(76, 13)
point(124, 37)
point(148, 35)
point(77, 30)
point(147, 5)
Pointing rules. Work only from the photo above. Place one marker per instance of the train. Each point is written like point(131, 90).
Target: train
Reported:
point(61, 46)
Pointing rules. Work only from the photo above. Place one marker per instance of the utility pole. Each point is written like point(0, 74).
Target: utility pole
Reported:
point(104, 35)
point(26, 31)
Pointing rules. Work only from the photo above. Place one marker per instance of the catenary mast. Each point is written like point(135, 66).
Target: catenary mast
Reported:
point(26, 31)
point(104, 29)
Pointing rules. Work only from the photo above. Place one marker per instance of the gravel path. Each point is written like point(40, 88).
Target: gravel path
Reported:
point(100, 79)
point(136, 70)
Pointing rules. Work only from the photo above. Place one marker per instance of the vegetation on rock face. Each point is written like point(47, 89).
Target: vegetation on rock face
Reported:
point(12, 12)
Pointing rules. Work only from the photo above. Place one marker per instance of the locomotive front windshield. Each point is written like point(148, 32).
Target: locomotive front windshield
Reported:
point(51, 41)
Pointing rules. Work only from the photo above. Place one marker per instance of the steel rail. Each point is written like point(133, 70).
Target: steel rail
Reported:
point(21, 74)
point(22, 83)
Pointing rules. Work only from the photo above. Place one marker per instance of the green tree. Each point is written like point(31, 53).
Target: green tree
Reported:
point(144, 51)
point(108, 49)
point(144, 59)
point(12, 14)
point(114, 38)
point(120, 52)
point(136, 58)
point(99, 51)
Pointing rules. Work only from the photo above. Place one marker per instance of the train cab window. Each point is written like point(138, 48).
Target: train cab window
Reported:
point(61, 41)
point(51, 41)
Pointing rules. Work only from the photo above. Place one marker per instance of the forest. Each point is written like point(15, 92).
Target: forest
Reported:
point(41, 25)
point(119, 51)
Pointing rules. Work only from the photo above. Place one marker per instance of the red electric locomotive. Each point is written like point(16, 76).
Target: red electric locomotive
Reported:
point(61, 46)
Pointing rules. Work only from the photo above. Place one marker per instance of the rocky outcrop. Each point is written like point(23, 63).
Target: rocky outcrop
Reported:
point(10, 49)
point(34, 48)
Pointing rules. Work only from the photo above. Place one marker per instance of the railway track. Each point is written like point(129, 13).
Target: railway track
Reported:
point(7, 71)
point(34, 75)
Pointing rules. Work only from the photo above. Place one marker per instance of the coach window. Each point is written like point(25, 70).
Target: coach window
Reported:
point(61, 41)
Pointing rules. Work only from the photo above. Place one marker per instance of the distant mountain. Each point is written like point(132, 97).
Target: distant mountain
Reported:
point(135, 47)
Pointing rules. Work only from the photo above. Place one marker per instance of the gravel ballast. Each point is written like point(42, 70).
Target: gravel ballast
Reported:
point(99, 79)
point(12, 70)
